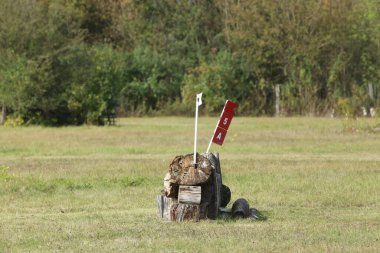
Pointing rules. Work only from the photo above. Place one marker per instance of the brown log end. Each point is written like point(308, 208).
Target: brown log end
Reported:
point(181, 212)
point(183, 172)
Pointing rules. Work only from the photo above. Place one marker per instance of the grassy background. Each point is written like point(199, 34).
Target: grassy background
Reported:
point(73, 189)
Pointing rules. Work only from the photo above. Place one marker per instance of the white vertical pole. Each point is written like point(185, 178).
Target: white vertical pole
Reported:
point(198, 102)
point(209, 145)
point(195, 134)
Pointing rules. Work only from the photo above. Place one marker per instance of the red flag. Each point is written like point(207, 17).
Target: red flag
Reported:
point(219, 136)
point(230, 106)
point(224, 122)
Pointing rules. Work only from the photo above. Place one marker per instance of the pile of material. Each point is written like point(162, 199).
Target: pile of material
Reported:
point(195, 191)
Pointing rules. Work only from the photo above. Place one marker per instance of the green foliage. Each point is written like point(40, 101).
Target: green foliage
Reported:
point(145, 76)
point(4, 173)
point(350, 107)
point(14, 121)
point(84, 61)
point(94, 90)
point(225, 77)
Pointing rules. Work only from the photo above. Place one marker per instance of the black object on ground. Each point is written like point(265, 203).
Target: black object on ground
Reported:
point(240, 208)
point(225, 196)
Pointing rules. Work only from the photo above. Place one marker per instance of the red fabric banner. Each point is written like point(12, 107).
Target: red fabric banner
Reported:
point(219, 136)
point(224, 122)
point(230, 106)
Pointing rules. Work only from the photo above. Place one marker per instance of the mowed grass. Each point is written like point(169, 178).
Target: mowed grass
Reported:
point(92, 189)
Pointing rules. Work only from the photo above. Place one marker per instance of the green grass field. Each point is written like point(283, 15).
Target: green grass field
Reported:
point(92, 189)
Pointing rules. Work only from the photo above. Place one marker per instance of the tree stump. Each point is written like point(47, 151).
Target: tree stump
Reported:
point(180, 212)
point(195, 192)
point(164, 206)
point(183, 171)
point(189, 194)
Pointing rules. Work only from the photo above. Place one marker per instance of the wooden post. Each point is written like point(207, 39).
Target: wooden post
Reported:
point(164, 206)
point(180, 212)
point(370, 91)
point(217, 190)
point(277, 90)
point(189, 194)
point(3, 115)
point(183, 172)
point(193, 194)
point(211, 195)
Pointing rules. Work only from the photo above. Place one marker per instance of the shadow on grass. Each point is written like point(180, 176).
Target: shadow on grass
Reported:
point(254, 215)
point(260, 216)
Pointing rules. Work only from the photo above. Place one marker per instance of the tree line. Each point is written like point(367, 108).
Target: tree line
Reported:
point(85, 61)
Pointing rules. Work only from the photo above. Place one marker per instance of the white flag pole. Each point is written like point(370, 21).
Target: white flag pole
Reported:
point(209, 145)
point(198, 102)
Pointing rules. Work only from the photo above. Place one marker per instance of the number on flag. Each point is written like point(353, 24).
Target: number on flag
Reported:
point(224, 122)
point(219, 136)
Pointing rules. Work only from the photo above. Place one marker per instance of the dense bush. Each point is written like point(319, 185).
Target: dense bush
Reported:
point(85, 61)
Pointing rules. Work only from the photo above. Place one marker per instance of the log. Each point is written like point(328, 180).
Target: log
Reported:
point(199, 189)
point(217, 167)
point(180, 212)
point(164, 205)
point(214, 193)
point(170, 189)
point(206, 200)
point(183, 172)
point(213, 197)
point(214, 160)
point(217, 190)
point(189, 194)
point(160, 205)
